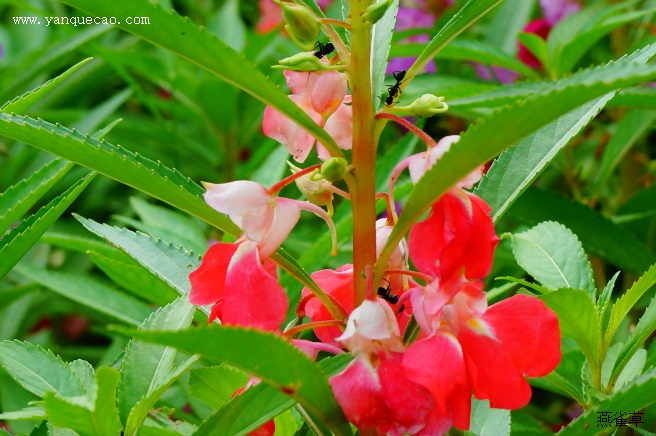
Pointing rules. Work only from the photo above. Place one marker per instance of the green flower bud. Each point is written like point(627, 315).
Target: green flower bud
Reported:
point(376, 11)
point(305, 61)
point(302, 26)
point(425, 106)
point(315, 191)
point(334, 169)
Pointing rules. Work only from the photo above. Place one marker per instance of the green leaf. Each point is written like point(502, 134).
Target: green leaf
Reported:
point(637, 97)
point(90, 292)
point(486, 421)
point(38, 370)
point(169, 263)
point(147, 369)
point(18, 241)
point(632, 127)
point(536, 45)
point(553, 255)
point(258, 404)
point(598, 234)
point(604, 297)
point(197, 45)
point(622, 306)
point(578, 319)
point(266, 356)
point(128, 274)
point(464, 18)
point(382, 39)
point(118, 163)
point(484, 140)
point(508, 21)
point(28, 413)
point(22, 103)
point(514, 171)
point(633, 397)
point(216, 385)
point(93, 416)
point(642, 331)
point(19, 198)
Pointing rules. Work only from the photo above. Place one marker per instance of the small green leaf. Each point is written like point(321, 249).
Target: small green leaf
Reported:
point(92, 416)
point(382, 39)
point(553, 255)
point(486, 421)
point(622, 306)
point(22, 103)
point(19, 198)
point(216, 385)
point(536, 45)
point(28, 413)
point(38, 370)
point(18, 241)
point(578, 319)
point(266, 356)
point(146, 367)
point(604, 297)
point(90, 292)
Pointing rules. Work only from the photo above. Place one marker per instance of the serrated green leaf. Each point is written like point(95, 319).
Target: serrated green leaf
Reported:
point(637, 97)
point(21, 104)
point(216, 385)
point(194, 43)
point(147, 369)
point(629, 130)
point(633, 397)
point(382, 39)
point(258, 404)
point(128, 274)
point(118, 163)
point(90, 292)
point(28, 413)
point(604, 297)
point(486, 421)
point(553, 255)
point(38, 370)
point(84, 372)
point(598, 234)
point(578, 319)
point(464, 18)
point(169, 263)
point(266, 356)
point(97, 415)
point(19, 198)
point(642, 331)
point(623, 305)
point(514, 171)
point(484, 140)
point(15, 244)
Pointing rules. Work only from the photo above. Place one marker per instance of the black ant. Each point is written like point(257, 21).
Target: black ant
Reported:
point(323, 49)
point(386, 295)
point(394, 89)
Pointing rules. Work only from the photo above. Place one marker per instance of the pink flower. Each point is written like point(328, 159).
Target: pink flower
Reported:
point(321, 95)
point(555, 10)
point(243, 290)
point(456, 240)
point(271, 15)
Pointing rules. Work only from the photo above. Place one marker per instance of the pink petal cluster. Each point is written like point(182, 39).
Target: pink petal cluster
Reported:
point(321, 95)
point(464, 347)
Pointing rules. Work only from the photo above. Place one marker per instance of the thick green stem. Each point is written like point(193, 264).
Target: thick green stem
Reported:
point(362, 180)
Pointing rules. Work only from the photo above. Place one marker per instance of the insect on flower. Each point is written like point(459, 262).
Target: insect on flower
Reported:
point(385, 294)
point(394, 90)
point(323, 49)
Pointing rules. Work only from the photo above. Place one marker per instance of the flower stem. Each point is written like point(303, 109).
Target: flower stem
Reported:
point(430, 142)
point(362, 180)
point(289, 179)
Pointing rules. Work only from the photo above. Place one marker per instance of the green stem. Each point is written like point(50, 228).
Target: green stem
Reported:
point(362, 180)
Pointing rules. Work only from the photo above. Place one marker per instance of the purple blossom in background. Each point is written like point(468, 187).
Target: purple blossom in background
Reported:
point(555, 10)
point(412, 18)
point(503, 75)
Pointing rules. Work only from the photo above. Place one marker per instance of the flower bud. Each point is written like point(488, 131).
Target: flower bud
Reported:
point(376, 11)
point(304, 61)
point(302, 26)
point(315, 191)
point(334, 169)
point(425, 106)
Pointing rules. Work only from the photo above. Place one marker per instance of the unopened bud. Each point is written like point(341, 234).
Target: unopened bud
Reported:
point(425, 106)
point(305, 61)
point(376, 11)
point(315, 191)
point(302, 26)
point(334, 169)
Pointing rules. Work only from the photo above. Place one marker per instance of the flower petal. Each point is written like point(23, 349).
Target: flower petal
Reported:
point(328, 92)
point(285, 216)
point(208, 280)
point(340, 127)
point(252, 297)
